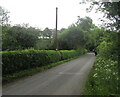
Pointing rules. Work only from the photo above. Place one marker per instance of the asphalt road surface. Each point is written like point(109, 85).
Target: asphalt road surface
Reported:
point(66, 79)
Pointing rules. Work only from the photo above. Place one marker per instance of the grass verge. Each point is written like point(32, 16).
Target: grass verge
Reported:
point(103, 78)
point(29, 72)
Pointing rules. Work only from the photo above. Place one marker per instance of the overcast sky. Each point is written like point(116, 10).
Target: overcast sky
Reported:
point(41, 13)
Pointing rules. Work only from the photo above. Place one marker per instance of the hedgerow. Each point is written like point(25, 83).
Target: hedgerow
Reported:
point(15, 61)
point(103, 79)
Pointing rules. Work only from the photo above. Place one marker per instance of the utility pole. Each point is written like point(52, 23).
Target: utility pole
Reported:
point(56, 40)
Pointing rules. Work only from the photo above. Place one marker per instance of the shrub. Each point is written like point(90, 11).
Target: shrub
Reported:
point(15, 61)
point(66, 54)
point(103, 79)
point(54, 56)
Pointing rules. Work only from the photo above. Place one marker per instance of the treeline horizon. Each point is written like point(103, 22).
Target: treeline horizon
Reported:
point(82, 34)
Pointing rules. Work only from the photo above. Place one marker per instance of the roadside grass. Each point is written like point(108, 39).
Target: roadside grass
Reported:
point(103, 78)
point(15, 76)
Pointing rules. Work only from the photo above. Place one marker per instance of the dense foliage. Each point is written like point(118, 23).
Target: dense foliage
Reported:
point(104, 78)
point(78, 35)
point(15, 61)
point(18, 37)
point(81, 34)
point(71, 38)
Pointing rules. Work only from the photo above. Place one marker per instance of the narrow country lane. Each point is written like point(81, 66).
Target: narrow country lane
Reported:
point(66, 79)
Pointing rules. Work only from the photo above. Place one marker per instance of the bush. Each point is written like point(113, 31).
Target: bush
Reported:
point(81, 50)
point(105, 49)
point(103, 79)
point(15, 61)
point(20, 60)
point(66, 54)
point(54, 56)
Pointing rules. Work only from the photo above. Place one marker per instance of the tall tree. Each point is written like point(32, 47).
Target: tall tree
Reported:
point(5, 17)
point(47, 33)
point(84, 23)
point(111, 11)
point(17, 37)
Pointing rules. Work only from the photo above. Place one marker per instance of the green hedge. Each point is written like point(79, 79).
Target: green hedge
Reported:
point(66, 54)
point(15, 61)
